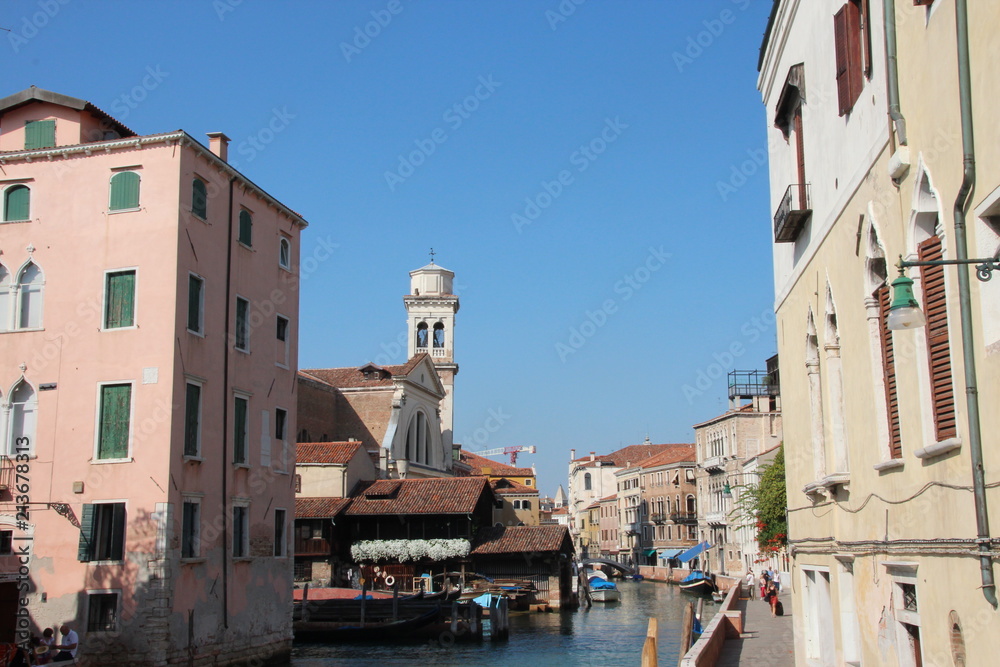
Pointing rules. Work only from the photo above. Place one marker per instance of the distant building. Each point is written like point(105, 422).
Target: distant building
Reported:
point(668, 493)
point(149, 298)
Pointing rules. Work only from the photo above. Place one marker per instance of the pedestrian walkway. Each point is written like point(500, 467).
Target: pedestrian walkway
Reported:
point(766, 640)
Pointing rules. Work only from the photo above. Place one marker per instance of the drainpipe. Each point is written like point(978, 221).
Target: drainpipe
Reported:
point(968, 344)
point(892, 69)
point(225, 412)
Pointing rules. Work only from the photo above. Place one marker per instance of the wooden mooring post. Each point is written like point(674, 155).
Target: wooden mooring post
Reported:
point(649, 648)
point(687, 625)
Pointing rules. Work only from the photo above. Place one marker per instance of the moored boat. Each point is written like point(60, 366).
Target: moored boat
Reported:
point(602, 590)
point(698, 583)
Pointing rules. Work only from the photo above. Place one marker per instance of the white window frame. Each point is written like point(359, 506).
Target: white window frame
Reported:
point(17, 296)
point(283, 552)
point(135, 299)
point(200, 383)
point(7, 419)
point(201, 304)
point(107, 561)
point(284, 362)
point(282, 240)
point(245, 463)
point(194, 499)
point(136, 169)
point(282, 466)
point(236, 326)
point(95, 460)
point(245, 504)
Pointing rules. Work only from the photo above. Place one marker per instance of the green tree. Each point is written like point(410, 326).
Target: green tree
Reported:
point(765, 503)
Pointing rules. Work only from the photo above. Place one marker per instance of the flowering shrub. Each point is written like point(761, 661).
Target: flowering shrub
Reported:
point(409, 550)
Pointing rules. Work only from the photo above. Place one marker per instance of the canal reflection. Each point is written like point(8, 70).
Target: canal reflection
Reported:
point(605, 635)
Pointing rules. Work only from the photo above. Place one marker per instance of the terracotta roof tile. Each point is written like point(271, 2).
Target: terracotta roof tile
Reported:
point(319, 508)
point(521, 539)
point(455, 495)
point(675, 454)
point(633, 454)
point(510, 487)
point(330, 453)
point(497, 468)
point(354, 377)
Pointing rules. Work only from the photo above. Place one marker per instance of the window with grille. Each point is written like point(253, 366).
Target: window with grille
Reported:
point(242, 324)
point(102, 612)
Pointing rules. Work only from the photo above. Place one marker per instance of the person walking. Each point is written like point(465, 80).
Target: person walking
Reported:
point(751, 581)
point(772, 598)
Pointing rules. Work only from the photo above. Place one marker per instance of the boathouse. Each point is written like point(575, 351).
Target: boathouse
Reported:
point(542, 555)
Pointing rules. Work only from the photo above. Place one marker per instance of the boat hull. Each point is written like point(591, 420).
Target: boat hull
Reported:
point(605, 595)
point(700, 587)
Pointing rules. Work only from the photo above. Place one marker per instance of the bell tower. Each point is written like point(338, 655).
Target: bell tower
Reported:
point(430, 308)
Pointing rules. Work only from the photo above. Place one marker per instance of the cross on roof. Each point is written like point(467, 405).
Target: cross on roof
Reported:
point(432, 253)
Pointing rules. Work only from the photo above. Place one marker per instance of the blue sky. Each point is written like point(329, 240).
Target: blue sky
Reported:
point(594, 173)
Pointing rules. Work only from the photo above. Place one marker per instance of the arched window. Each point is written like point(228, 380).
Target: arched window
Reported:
point(438, 335)
point(246, 229)
point(16, 203)
point(692, 506)
point(23, 407)
point(586, 482)
point(418, 439)
point(422, 334)
point(285, 253)
point(199, 198)
point(124, 191)
point(30, 285)
point(5, 298)
point(517, 504)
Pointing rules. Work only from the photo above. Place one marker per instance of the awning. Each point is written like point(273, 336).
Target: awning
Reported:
point(670, 553)
point(650, 552)
point(693, 551)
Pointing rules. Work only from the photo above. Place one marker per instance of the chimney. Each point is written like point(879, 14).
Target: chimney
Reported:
point(218, 143)
point(572, 455)
point(593, 455)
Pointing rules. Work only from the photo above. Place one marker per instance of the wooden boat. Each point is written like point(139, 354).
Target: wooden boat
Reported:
point(698, 583)
point(352, 631)
point(602, 590)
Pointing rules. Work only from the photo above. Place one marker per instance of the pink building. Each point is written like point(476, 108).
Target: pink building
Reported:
point(148, 326)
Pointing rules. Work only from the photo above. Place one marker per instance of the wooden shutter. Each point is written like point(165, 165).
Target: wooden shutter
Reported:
point(194, 303)
point(246, 228)
point(199, 199)
point(242, 324)
point(847, 43)
point(85, 550)
point(889, 369)
point(192, 414)
point(117, 551)
point(124, 191)
point(116, 400)
point(240, 431)
point(39, 134)
point(866, 35)
point(16, 205)
point(120, 300)
point(938, 344)
point(921, 3)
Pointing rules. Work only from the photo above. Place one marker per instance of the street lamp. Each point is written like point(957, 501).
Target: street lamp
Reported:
point(904, 311)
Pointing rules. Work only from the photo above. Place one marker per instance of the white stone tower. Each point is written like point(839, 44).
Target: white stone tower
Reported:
point(431, 306)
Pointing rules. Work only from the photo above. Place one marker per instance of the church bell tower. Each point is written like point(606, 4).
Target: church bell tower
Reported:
point(431, 306)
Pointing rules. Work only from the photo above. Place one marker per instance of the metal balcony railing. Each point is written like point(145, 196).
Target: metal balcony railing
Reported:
point(684, 517)
point(793, 212)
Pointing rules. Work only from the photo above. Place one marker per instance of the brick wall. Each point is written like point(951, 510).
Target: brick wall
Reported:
point(317, 410)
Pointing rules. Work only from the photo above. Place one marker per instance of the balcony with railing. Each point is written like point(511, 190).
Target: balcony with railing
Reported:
point(715, 518)
point(713, 464)
point(750, 384)
point(793, 213)
point(684, 517)
point(312, 546)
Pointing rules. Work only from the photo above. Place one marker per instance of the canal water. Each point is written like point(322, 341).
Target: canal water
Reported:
point(603, 636)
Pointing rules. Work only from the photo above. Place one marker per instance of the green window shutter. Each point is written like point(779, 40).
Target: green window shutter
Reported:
point(124, 191)
point(246, 228)
point(194, 303)
point(39, 134)
point(192, 414)
point(240, 431)
point(242, 324)
point(116, 400)
point(199, 199)
point(16, 203)
point(85, 550)
point(117, 532)
point(119, 306)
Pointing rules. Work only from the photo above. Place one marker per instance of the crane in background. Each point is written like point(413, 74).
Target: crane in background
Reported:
point(512, 451)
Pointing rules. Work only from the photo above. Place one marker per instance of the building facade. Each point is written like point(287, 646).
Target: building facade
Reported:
point(149, 319)
point(889, 480)
point(669, 494)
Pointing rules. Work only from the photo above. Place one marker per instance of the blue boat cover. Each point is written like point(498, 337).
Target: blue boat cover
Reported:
point(363, 597)
point(696, 575)
point(598, 584)
point(483, 600)
point(693, 551)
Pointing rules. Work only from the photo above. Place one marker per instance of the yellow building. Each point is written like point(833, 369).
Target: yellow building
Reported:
point(889, 563)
